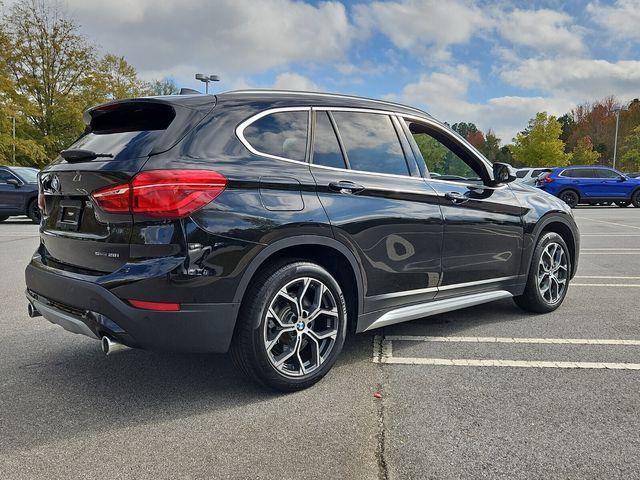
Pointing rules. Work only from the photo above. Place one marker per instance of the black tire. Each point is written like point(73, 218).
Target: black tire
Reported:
point(3, 218)
point(249, 349)
point(635, 199)
point(623, 204)
point(570, 197)
point(533, 300)
point(33, 211)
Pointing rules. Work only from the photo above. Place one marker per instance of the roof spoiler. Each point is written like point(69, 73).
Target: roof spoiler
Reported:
point(189, 91)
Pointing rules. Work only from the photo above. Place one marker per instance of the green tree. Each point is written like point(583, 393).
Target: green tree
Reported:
point(583, 153)
point(433, 152)
point(166, 86)
point(630, 160)
point(115, 78)
point(540, 144)
point(464, 129)
point(48, 62)
point(491, 147)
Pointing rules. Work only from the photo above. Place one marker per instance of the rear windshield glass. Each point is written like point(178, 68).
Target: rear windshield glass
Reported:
point(126, 130)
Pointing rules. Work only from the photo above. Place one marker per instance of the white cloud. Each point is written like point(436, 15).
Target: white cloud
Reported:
point(444, 95)
point(423, 24)
point(620, 19)
point(228, 37)
point(294, 81)
point(577, 78)
point(545, 30)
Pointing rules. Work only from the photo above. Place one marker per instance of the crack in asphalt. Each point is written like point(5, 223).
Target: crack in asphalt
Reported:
point(383, 471)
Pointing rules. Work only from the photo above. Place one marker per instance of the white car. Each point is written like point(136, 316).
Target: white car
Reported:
point(529, 175)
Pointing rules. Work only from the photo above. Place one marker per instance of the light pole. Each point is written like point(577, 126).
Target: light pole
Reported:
point(616, 109)
point(14, 140)
point(206, 79)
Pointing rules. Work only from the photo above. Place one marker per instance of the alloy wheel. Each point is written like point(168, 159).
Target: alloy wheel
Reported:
point(553, 273)
point(301, 327)
point(570, 198)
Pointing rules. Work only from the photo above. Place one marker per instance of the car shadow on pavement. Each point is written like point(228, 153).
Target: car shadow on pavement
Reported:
point(75, 391)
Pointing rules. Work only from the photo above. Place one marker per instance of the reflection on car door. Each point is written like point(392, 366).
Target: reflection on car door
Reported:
point(483, 232)
point(369, 184)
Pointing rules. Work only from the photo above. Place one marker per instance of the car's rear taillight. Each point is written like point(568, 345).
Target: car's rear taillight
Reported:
point(158, 306)
point(547, 179)
point(162, 193)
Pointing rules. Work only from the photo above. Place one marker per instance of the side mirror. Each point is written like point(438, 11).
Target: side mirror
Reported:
point(622, 178)
point(503, 173)
point(14, 182)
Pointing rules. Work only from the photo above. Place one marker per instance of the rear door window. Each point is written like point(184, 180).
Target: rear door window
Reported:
point(371, 143)
point(521, 173)
point(281, 134)
point(326, 150)
point(579, 173)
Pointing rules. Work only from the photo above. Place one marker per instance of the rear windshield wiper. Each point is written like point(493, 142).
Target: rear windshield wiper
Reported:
point(79, 155)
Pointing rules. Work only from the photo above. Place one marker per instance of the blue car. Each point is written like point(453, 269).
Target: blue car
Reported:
point(590, 185)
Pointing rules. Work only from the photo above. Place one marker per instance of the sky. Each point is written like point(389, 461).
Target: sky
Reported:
point(492, 63)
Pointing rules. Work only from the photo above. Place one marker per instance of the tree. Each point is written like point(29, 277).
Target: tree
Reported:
point(491, 147)
point(47, 60)
point(540, 145)
point(115, 79)
point(630, 160)
point(166, 86)
point(583, 153)
point(476, 139)
point(464, 129)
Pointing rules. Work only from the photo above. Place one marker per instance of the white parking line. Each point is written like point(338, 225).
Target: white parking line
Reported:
point(383, 352)
point(603, 277)
point(561, 341)
point(609, 223)
point(633, 285)
point(508, 363)
point(609, 253)
point(610, 234)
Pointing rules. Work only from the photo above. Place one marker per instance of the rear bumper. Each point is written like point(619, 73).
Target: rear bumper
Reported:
point(86, 308)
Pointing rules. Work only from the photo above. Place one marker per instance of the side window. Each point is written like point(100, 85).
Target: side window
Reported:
point(579, 173)
point(326, 150)
point(4, 176)
point(371, 143)
point(521, 173)
point(444, 158)
point(606, 173)
point(283, 134)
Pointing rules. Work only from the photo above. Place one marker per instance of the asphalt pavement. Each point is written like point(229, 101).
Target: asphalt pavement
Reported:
point(486, 392)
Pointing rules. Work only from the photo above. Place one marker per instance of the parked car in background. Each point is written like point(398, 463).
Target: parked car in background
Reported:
point(591, 185)
point(633, 175)
point(19, 193)
point(271, 223)
point(529, 176)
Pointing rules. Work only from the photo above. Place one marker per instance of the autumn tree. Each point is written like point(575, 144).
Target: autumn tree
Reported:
point(630, 160)
point(583, 153)
point(540, 144)
point(115, 78)
point(47, 60)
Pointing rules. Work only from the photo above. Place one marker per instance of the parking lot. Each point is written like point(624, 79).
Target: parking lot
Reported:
point(486, 392)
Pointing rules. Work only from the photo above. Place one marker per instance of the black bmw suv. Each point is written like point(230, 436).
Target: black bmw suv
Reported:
point(271, 223)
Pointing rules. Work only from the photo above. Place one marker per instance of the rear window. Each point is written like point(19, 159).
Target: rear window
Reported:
point(126, 130)
point(282, 134)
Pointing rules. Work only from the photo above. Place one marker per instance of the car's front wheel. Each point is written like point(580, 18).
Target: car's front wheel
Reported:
point(3, 218)
point(570, 197)
point(548, 277)
point(622, 204)
point(635, 199)
point(291, 327)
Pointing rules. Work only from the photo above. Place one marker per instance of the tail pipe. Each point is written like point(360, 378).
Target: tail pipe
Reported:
point(109, 347)
point(33, 311)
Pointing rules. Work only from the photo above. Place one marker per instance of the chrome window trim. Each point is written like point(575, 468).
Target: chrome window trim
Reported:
point(432, 123)
point(244, 124)
point(477, 282)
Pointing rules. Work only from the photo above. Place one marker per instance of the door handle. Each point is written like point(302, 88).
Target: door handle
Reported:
point(345, 186)
point(456, 197)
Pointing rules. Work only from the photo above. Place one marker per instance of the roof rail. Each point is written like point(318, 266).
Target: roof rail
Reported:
point(322, 94)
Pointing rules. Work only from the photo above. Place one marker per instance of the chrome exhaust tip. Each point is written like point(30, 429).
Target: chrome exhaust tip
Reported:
point(110, 347)
point(33, 311)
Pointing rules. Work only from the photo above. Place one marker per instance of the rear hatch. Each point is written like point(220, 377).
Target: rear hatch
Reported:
point(119, 139)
